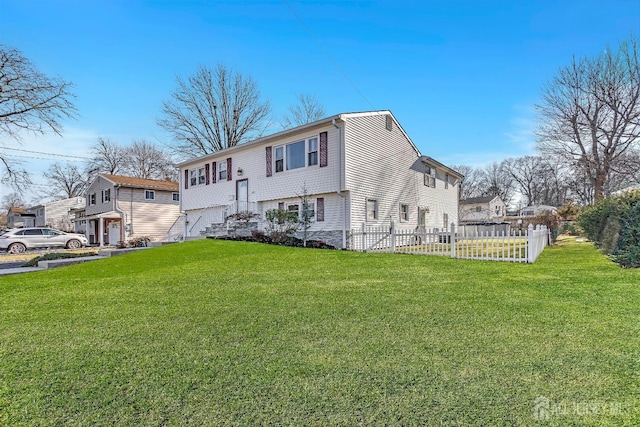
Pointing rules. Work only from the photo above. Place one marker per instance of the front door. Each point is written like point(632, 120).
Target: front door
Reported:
point(242, 195)
point(114, 232)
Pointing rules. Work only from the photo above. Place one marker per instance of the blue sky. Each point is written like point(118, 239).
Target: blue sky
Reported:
point(462, 77)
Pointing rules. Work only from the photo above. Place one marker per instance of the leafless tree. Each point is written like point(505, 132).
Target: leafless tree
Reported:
point(30, 102)
point(213, 110)
point(590, 112)
point(12, 200)
point(145, 160)
point(496, 181)
point(470, 184)
point(108, 157)
point(307, 110)
point(65, 180)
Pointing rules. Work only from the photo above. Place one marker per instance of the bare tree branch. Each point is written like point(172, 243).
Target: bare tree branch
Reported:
point(590, 113)
point(307, 110)
point(30, 102)
point(213, 110)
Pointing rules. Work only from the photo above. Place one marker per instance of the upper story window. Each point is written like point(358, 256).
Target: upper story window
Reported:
point(312, 156)
point(430, 177)
point(446, 181)
point(201, 175)
point(222, 171)
point(175, 197)
point(92, 199)
point(297, 154)
point(106, 195)
point(279, 159)
point(193, 177)
point(149, 195)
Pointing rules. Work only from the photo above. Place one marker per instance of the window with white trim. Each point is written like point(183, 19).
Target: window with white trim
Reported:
point(445, 220)
point(106, 195)
point(149, 195)
point(222, 171)
point(175, 197)
point(296, 155)
point(312, 152)
point(372, 209)
point(294, 208)
point(201, 175)
point(404, 212)
point(430, 177)
point(92, 199)
point(193, 177)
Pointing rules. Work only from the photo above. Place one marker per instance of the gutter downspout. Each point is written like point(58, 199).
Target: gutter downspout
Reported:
point(123, 216)
point(339, 192)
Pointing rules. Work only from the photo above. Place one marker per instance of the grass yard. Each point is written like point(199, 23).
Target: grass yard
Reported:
point(232, 333)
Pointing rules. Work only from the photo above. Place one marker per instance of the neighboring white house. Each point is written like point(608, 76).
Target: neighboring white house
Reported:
point(118, 208)
point(357, 168)
point(482, 209)
point(538, 210)
point(19, 217)
point(58, 214)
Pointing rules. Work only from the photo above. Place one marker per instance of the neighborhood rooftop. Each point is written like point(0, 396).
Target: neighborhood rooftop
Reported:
point(128, 181)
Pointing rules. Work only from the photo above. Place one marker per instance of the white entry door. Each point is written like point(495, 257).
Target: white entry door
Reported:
point(114, 233)
point(242, 195)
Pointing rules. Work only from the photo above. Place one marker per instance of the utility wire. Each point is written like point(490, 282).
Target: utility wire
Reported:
point(46, 154)
point(326, 52)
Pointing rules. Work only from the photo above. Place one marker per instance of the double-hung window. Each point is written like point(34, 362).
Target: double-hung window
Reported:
point(175, 197)
point(222, 171)
point(372, 209)
point(279, 159)
point(193, 178)
point(430, 177)
point(312, 151)
point(149, 195)
point(106, 195)
point(201, 176)
point(92, 199)
point(404, 213)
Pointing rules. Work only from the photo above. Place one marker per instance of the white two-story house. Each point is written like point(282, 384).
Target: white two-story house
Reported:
point(356, 168)
point(119, 208)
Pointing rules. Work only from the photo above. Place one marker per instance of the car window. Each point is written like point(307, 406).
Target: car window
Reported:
point(50, 232)
point(35, 232)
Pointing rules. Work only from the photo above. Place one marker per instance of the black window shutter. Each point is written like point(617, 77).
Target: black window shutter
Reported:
point(229, 177)
point(206, 172)
point(323, 149)
point(269, 161)
point(320, 209)
point(214, 174)
point(186, 179)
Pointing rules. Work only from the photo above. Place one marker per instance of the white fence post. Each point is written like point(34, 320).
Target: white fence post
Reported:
point(392, 230)
point(530, 245)
point(452, 240)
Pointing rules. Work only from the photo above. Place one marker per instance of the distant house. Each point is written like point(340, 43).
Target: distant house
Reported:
point(535, 210)
point(485, 209)
point(18, 217)
point(356, 169)
point(56, 214)
point(118, 208)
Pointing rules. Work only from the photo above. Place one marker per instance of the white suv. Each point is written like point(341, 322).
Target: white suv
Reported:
point(18, 240)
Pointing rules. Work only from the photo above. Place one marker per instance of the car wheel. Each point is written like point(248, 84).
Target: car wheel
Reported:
point(16, 248)
point(73, 244)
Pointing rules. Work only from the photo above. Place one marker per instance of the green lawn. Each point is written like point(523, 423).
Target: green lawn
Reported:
point(233, 333)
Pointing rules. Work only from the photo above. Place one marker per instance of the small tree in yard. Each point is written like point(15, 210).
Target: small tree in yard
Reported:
point(281, 224)
point(306, 216)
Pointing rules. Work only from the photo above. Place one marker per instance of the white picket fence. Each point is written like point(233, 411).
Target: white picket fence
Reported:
point(517, 246)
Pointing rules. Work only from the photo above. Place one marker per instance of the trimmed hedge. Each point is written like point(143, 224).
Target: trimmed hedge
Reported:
point(613, 224)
